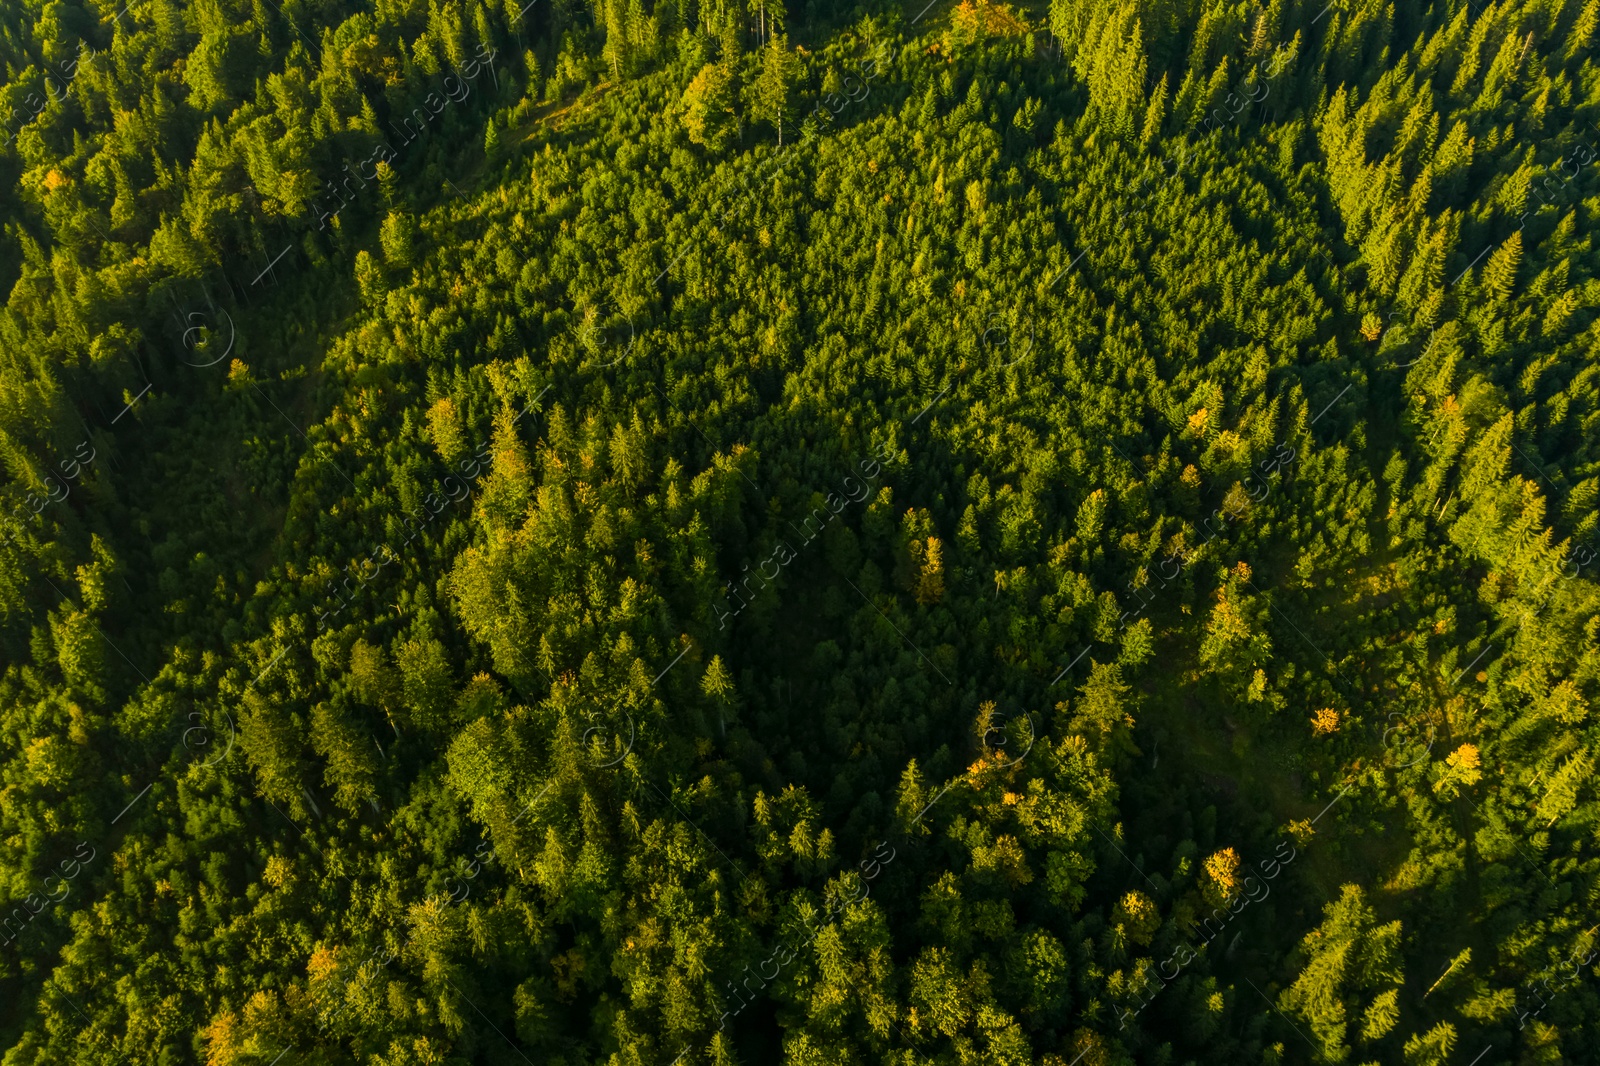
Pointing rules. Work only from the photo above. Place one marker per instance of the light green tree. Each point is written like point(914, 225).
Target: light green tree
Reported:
point(708, 113)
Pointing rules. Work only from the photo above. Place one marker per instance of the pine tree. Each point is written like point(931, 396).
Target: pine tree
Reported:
point(350, 755)
point(1578, 41)
point(1562, 794)
point(371, 679)
point(911, 799)
point(730, 42)
point(1380, 1015)
point(617, 50)
point(1155, 112)
point(929, 586)
point(535, 83)
point(717, 683)
point(1186, 105)
point(396, 235)
point(779, 70)
point(1348, 956)
point(428, 690)
point(1216, 88)
point(641, 29)
point(273, 744)
point(1500, 276)
point(1431, 1048)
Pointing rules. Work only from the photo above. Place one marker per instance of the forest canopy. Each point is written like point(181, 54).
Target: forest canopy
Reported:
point(668, 533)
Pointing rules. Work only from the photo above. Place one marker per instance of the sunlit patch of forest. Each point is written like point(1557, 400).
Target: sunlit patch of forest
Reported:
point(669, 533)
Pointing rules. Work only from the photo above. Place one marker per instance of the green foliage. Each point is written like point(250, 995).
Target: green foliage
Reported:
point(708, 115)
point(774, 85)
point(490, 578)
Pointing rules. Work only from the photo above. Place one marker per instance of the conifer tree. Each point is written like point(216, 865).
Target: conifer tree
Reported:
point(1500, 276)
point(779, 69)
point(1154, 113)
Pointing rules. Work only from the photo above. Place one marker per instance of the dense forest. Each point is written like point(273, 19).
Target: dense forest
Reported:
point(660, 532)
